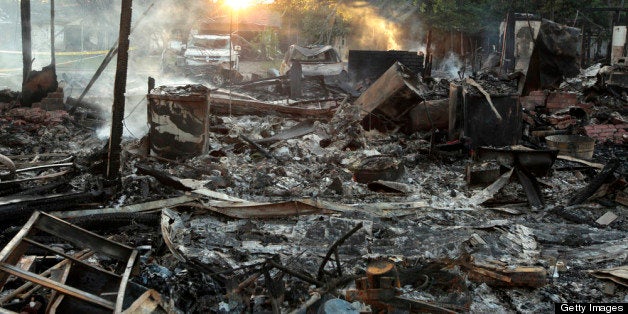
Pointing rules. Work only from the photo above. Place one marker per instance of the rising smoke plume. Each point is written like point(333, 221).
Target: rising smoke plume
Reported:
point(377, 25)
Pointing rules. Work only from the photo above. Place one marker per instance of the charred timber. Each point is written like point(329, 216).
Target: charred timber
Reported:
point(115, 138)
point(583, 194)
point(14, 209)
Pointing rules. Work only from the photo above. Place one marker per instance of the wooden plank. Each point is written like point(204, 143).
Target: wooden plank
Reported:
point(214, 194)
point(270, 210)
point(55, 297)
point(492, 189)
point(580, 161)
point(130, 265)
point(15, 249)
point(80, 255)
point(135, 208)
point(82, 238)
point(521, 276)
point(47, 176)
point(18, 237)
point(45, 162)
point(19, 199)
point(149, 302)
point(69, 164)
point(61, 288)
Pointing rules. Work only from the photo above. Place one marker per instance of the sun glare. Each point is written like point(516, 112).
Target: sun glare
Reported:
point(239, 4)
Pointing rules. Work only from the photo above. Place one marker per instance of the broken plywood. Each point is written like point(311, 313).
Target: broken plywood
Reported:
point(395, 93)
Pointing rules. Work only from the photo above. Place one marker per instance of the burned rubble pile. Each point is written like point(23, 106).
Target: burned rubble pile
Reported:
point(416, 196)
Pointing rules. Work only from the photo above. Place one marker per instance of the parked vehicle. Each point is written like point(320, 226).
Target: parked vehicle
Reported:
point(314, 60)
point(204, 56)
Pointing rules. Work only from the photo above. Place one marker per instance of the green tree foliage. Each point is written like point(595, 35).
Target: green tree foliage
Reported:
point(318, 21)
point(472, 16)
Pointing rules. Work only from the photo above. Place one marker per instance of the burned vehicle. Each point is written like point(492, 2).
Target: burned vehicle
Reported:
point(314, 60)
point(205, 57)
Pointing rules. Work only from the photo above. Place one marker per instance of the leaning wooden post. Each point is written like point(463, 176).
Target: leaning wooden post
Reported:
point(117, 116)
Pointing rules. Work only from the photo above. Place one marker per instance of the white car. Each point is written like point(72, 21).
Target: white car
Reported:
point(204, 50)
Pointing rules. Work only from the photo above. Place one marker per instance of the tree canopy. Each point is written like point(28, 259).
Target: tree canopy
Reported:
point(318, 21)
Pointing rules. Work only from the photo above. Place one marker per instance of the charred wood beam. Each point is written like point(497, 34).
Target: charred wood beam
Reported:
point(162, 177)
point(115, 138)
point(583, 194)
point(53, 285)
point(427, 69)
point(11, 183)
point(21, 164)
point(43, 189)
point(261, 149)
point(338, 266)
point(508, 52)
point(275, 288)
point(60, 165)
point(315, 296)
point(250, 280)
point(106, 222)
point(334, 247)
point(296, 274)
point(572, 214)
point(13, 209)
point(82, 255)
point(530, 186)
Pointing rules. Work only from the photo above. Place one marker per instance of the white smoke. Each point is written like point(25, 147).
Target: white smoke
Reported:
point(77, 61)
point(451, 67)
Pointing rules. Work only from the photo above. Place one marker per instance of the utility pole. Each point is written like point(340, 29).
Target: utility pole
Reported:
point(115, 138)
point(52, 36)
point(27, 57)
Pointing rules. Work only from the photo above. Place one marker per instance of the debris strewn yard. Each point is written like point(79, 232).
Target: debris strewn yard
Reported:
point(385, 188)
